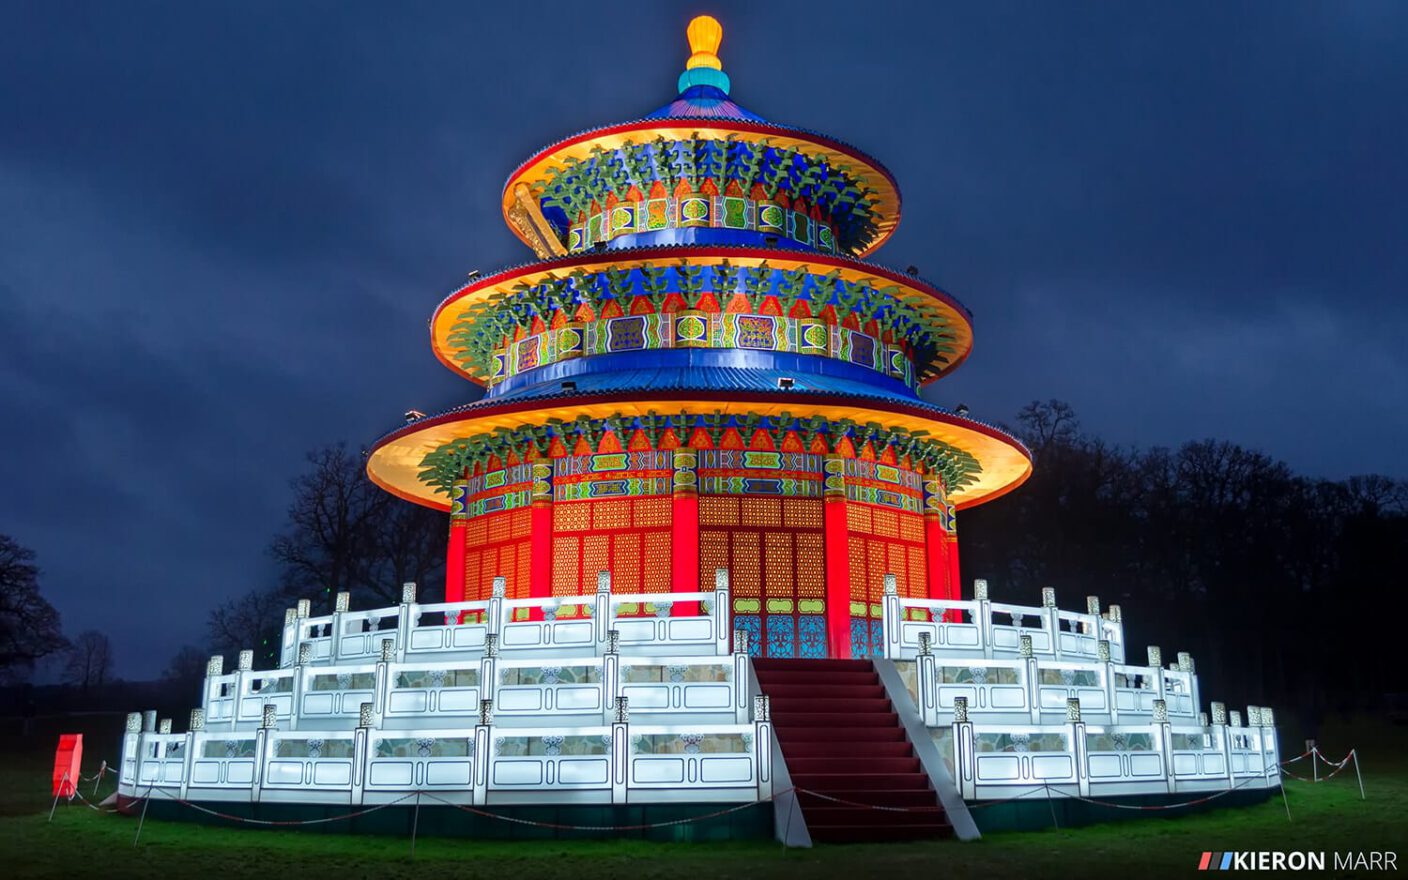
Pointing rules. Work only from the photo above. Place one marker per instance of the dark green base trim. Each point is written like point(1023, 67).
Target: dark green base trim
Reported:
point(754, 822)
point(1036, 814)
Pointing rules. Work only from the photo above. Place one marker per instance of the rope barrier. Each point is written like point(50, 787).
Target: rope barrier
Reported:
point(284, 822)
point(639, 827)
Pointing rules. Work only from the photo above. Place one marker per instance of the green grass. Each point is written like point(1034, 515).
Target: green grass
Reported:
point(80, 842)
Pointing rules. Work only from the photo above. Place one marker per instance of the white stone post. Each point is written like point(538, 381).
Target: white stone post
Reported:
point(132, 748)
point(1078, 745)
point(288, 639)
point(341, 604)
point(483, 751)
point(965, 766)
point(407, 619)
point(1222, 737)
point(610, 674)
point(927, 680)
point(1052, 615)
point(984, 616)
point(214, 668)
point(1092, 627)
point(1031, 676)
point(723, 611)
point(762, 743)
point(196, 726)
point(891, 619)
point(620, 750)
point(243, 666)
point(1107, 671)
point(1156, 672)
point(602, 612)
point(741, 664)
point(362, 749)
point(268, 717)
point(489, 670)
point(1163, 735)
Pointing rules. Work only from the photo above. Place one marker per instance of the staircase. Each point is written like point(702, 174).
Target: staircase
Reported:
point(842, 738)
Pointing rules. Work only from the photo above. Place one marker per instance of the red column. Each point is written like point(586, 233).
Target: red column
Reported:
point(955, 581)
point(540, 532)
point(935, 540)
point(684, 530)
point(454, 552)
point(838, 560)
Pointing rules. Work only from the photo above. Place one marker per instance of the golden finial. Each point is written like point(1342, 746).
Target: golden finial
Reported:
point(704, 33)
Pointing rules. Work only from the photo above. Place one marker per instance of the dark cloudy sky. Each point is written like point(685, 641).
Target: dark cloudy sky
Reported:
point(223, 227)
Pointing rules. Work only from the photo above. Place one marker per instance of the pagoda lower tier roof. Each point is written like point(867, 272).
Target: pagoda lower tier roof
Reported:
point(396, 460)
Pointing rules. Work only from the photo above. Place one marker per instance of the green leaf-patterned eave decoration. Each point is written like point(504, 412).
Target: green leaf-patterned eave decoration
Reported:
point(446, 464)
point(486, 326)
point(838, 190)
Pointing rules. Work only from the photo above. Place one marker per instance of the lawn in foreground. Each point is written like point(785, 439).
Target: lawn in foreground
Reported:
point(1328, 817)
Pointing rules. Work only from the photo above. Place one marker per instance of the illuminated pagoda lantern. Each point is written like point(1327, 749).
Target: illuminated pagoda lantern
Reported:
point(702, 372)
point(703, 574)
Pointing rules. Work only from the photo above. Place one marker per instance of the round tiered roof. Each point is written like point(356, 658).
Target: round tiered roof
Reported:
point(699, 277)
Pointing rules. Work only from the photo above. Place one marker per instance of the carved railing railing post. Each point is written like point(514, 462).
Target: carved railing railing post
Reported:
point(741, 664)
point(288, 640)
point(1078, 745)
point(602, 613)
point(342, 603)
point(723, 611)
point(1222, 738)
point(984, 621)
point(407, 619)
point(1107, 678)
point(1052, 615)
point(483, 750)
point(610, 674)
point(762, 744)
point(1159, 688)
point(1031, 677)
point(891, 619)
point(965, 767)
point(927, 680)
point(1163, 735)
point(620, 750)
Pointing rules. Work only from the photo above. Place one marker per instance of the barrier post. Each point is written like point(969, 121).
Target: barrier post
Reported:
point(342, 603)
point(482, 746)
point(964, 760)
point(602, 611)
point(740, 676)
point(1102, 654)
point(488, 670)
point(723, 611)
point(1163, 735)
point(407, 616)
point(891, 624)
point(361, 750)
point(927, 681)
point(620, 750)
point(196, 725)
point(1053, 619)
point(1078, 745)
point(1031, 677)
point(1221, 736)
point(984, 621)
point(1156, 664)
point(610, 673)
point(762, 743)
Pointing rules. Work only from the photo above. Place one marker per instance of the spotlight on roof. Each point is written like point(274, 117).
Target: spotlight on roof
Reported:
point(413, 414)
point(473, 274)
point(770, 240)
point(962, 409)
point(785, 383)
point(912, 270)
point(569, 386)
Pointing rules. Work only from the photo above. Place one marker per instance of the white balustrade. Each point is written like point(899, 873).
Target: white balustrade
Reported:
point(981, 628)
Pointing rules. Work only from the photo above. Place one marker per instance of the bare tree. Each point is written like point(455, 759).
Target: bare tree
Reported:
point(89, 660)
point(187, 666)
point(344, 533)
point(29, 625)
point(251, 621)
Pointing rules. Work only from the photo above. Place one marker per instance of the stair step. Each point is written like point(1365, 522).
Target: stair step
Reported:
point(808, 705)
point(837, 721)
point(832, 816)
point(898, 797)
point(800, 665)
point(855, 763)
point(794, 732)
point(825, 691)
point(878, 833)
point(782, 678)
point(838, 783)
point(829, 749)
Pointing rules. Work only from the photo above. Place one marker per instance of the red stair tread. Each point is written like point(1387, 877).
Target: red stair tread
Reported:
point(843, 741)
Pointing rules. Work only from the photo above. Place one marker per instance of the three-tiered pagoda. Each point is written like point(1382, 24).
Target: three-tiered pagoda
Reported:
point(702, 372)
